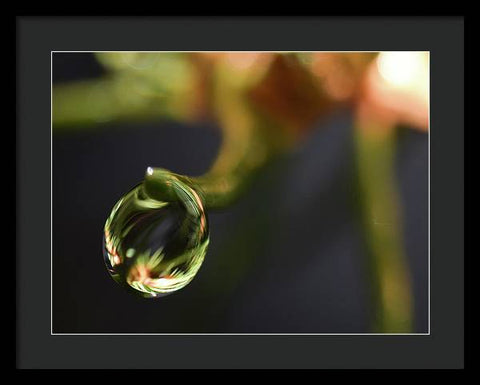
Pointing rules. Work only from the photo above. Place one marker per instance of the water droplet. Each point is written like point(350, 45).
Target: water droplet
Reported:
point(154, 247)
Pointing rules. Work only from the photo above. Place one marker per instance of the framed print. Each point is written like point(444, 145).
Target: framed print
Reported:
point(231, 192)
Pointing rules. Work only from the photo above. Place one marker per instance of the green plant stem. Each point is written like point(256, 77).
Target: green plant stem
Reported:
point(92, 102)
point(390, 281)
point(248, 143)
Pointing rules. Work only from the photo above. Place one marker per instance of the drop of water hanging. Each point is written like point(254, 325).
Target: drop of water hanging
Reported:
point(154, 247)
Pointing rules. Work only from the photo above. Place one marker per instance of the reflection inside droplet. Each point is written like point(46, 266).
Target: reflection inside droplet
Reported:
point(154, 247)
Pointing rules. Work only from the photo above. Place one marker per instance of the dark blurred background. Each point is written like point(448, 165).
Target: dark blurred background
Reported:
point(289, 257)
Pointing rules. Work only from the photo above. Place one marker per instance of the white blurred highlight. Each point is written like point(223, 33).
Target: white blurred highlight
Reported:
point(402, 69)
point(398, 87)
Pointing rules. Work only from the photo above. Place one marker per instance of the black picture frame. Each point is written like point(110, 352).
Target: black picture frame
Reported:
point(37, 37)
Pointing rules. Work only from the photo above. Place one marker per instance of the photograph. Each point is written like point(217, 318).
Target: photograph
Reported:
point(240, 192)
